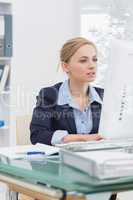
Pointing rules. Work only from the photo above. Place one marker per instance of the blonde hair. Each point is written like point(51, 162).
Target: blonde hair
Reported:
point(71, 46)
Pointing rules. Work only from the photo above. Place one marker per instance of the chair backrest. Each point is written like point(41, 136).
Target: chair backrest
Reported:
point(22, 130)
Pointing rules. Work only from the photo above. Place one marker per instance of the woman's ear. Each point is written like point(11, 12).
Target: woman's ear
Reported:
point(65, 67)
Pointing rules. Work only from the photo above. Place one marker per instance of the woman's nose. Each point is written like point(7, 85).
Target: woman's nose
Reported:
point(91, 67)
point(91, 64)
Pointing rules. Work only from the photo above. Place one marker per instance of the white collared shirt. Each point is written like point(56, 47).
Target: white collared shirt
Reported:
point(83, 119)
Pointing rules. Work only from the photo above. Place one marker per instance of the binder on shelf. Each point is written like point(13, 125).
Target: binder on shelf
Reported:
point(4, 74)
point(1, 70)
point(8, 35)
point(2, 123)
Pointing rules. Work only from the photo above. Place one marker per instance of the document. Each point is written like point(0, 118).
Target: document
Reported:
point(22, 151)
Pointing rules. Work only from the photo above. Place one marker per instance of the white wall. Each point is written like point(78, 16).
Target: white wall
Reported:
point(40, 27)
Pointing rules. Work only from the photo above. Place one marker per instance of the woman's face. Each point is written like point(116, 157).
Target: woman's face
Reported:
point(82, 65)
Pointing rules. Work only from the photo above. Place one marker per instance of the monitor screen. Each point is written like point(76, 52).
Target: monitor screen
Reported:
point(117, 110)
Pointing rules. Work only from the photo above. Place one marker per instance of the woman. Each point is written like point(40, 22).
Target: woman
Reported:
point(70, 111)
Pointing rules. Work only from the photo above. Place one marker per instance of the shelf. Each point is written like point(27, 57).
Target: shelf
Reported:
point(4, 128)
point(5, 58)
point(5, 1)
point(5, 92)
point(5, 70)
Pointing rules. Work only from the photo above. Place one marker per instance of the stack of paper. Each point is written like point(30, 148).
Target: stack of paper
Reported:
point(100, 164)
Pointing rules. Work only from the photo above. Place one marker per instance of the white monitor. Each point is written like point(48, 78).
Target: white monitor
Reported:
point(117, 110)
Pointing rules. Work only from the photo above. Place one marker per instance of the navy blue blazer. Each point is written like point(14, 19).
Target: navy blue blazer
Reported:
point(49, 117)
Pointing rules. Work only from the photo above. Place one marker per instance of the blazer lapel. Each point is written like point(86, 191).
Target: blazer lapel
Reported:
point(96, 112)
point(71, 121)
point(68, 116)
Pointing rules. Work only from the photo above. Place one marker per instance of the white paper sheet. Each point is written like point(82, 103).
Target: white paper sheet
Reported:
point(21, 151)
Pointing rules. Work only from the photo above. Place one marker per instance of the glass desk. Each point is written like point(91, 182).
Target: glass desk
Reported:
point(54, 178)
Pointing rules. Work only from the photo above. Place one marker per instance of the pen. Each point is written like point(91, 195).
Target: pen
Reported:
point(32, 153)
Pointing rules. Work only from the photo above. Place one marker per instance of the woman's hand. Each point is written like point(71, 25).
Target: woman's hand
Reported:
point(81, 137)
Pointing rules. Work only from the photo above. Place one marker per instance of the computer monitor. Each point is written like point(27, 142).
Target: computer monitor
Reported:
point(117, 110)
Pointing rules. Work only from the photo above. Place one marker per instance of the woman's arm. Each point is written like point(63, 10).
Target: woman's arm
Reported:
point(41, 127)
point(81, 137)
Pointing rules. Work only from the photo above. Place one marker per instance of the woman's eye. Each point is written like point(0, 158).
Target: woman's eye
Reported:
point(83, 61)
point(95, 59)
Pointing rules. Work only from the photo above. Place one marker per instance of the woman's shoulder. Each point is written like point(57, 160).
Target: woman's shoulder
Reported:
point(51, 88)
point(50, 94)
